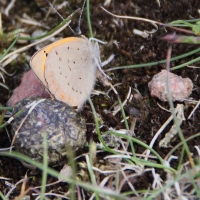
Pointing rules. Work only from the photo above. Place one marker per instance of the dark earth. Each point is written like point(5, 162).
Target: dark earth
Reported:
point(128, 52)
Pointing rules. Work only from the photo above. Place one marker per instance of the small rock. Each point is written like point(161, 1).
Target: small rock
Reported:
point(180, 88)
point(30, 87)
point(64, 128)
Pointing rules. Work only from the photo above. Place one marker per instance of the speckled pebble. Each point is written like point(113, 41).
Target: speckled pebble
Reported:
point(180, 88)
point(63, 125)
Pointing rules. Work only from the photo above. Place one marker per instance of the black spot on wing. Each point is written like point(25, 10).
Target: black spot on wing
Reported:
point(46, 53)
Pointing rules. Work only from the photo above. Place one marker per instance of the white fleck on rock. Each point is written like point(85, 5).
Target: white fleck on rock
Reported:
point(180, 88)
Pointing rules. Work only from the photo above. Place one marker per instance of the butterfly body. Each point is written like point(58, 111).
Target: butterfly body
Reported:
point(67, 68)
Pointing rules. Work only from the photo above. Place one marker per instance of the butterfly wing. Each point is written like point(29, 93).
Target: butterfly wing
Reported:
point(37, 64)
point(70, 71)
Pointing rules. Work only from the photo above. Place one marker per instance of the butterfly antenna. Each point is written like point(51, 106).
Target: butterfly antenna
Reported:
point(79, 21)
point(51, 5)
